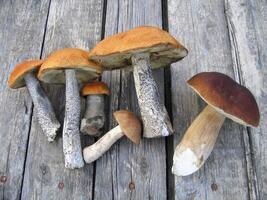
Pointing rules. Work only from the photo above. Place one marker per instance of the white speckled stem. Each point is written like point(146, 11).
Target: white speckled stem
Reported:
point(197, 143)
point(94, 116)
point(71, 133)
point(96, 150)
point(155, 118)
point(44, 110)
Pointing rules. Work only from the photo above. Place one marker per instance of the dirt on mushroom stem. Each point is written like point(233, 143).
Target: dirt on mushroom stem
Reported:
point(71, 133)
point(155, 118)
point(94, 116)
point(44, 110)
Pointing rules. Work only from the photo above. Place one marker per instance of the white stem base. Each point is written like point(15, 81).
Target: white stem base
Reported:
point(71, 133)
point(197, 143)
point(44, 110)
point(96, 150)
point(155, 118)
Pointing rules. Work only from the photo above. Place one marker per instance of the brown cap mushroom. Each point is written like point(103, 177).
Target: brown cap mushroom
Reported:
point(25, 74)
point(129, 125)
point(225, 98)
point(143, 48)
point(94, 116)
point(70, 66)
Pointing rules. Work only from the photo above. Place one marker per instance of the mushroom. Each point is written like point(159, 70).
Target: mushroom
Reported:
point(129, 125)
point(145, 48)
point(225, 98)
point(70, 66)
point(94, 116)
point(24, 74)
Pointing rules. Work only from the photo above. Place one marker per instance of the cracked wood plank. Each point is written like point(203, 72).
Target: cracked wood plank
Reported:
point(20, 38)
point(70, 24)
point(128, 171)
point(202, 27)
point(247, 22)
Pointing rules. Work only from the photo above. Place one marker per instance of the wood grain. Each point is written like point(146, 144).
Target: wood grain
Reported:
point(247, 22)
point(70, 24)
point(128, 171)
point(20, 38)
point(221, 35)
point(202, 27)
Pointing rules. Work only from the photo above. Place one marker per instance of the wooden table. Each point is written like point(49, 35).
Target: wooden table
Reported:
point(227, 36)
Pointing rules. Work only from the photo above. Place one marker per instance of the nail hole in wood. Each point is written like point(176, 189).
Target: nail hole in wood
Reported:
point(131, 185)
point(214, 187)
point(3, 179)
point(60, 185)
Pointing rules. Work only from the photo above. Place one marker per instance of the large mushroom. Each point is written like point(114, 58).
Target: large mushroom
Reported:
point(24, 74)
point(94, 116)
point(225, 98)
point(70, 66)
point(144, 48)
point(129, 125)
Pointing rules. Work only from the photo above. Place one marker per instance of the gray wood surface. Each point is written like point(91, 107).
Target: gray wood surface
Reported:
point(70, 24)
point(247, 21)
point(20, 38)
point(128, 171)
point(202, 26)
point(228, 36)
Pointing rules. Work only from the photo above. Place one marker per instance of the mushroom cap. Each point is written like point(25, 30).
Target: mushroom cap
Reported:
point(96, 87)
point(129, 124)
point(16, 78)
point(227, 97)
point(52, 70)
point(116, 51)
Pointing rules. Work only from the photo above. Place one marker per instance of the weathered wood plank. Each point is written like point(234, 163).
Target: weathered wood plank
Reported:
point(128, 171)
point(202, 26)
point(70, 24)
point(20, 38)
point(247, 21)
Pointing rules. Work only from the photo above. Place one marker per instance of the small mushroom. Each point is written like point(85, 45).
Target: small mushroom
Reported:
point(94, 116)
point(70, 66)
point(129, 125)
point(225, 98)
point(24, 74)
point(144, 48)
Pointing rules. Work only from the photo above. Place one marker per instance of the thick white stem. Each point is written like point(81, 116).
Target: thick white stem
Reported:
point(71, 133)
point(155, 118)
point(94, 116)
point(44, 110)
point(96, 150)
point(197, 143)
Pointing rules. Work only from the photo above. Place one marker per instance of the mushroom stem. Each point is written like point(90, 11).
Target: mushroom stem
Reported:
point(155, 118)
point(96, 150)
point(44, 111)
point(94, 116)
point(71, 134)
point(198, 142)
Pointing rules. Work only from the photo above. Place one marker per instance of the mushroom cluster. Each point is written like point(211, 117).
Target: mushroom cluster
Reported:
point(141, 49)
